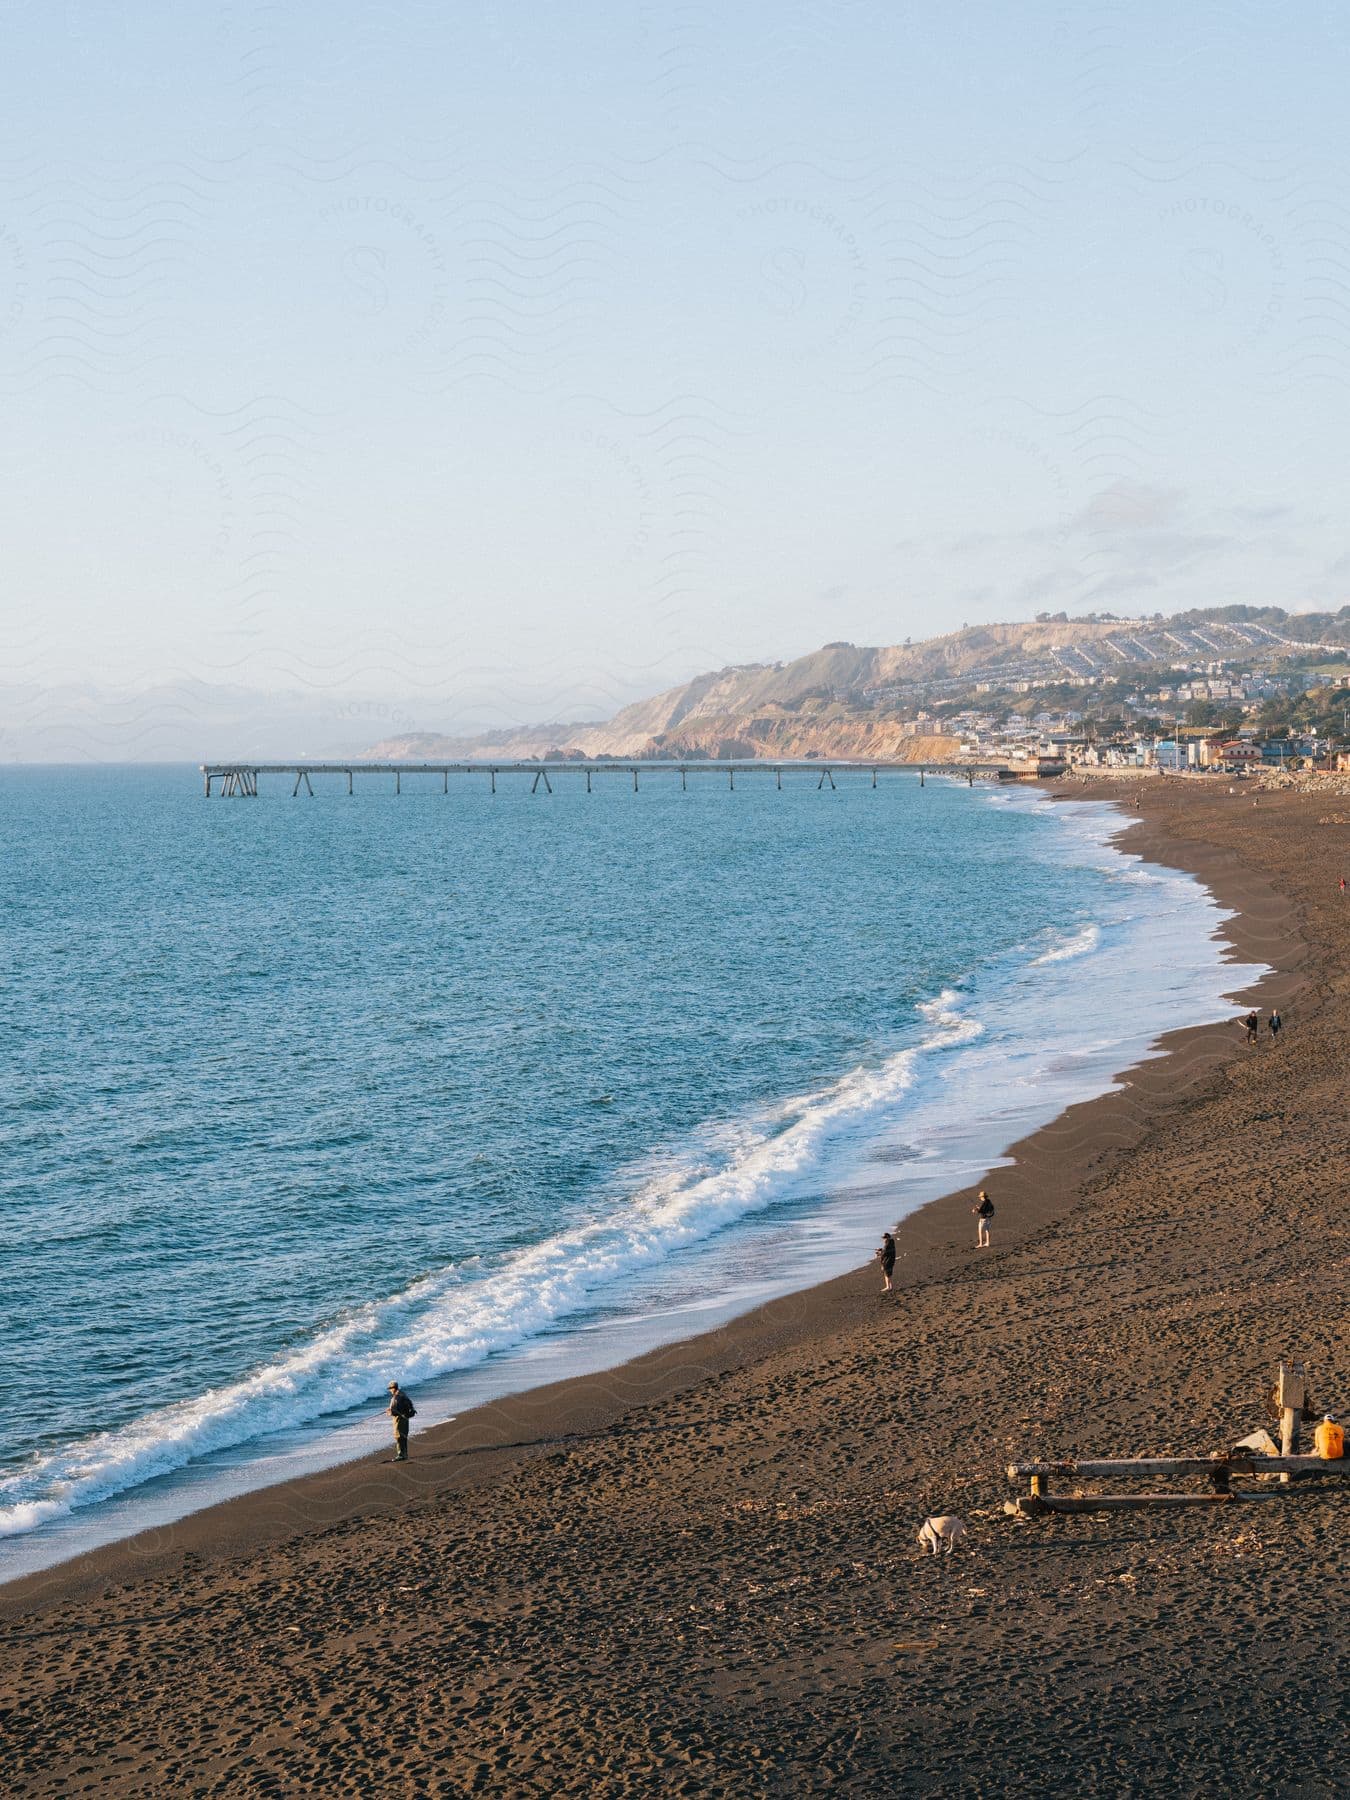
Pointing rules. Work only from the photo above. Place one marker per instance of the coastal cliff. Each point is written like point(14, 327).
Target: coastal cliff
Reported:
point(851, 700)
point(836, 701)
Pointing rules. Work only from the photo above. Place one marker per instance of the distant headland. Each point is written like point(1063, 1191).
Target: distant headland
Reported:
point(1225, 668)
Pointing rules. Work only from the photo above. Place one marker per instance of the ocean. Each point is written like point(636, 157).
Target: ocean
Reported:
point(473, 1090)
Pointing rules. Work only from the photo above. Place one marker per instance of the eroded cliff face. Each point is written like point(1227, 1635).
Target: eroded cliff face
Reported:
point(833, 702)
point(790, 738)
point(720, 737)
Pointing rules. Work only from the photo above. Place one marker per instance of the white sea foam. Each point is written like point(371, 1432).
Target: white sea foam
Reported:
point(1082, 943)
point(461, 1314)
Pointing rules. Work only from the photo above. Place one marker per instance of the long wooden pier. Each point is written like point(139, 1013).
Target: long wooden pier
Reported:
point(240, 779)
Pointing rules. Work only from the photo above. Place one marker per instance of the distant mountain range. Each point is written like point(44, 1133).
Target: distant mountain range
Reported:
point(846, 700)
point(178, 721)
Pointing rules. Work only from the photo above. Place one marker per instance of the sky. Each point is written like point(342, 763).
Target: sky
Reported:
point(451, 366)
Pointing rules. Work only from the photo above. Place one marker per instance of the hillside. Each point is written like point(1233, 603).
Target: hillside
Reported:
point(848, 700)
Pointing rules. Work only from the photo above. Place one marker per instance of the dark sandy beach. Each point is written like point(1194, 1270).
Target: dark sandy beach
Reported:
point(697, 1574)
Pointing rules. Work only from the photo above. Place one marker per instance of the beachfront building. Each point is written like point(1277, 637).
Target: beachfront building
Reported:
point(1117, 753)
point(1236, 753)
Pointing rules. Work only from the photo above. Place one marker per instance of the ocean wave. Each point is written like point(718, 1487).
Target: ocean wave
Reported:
point(459, 1315)
point(1082, 943)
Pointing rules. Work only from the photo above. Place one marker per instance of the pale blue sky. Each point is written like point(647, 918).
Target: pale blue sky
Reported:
point(492, 362)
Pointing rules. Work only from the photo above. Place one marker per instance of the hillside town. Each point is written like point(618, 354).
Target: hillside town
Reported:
point(1231, 689)
point(1211, 720)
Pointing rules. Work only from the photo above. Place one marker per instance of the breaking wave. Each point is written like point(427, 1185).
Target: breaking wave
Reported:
point(465, 1312)
point(1082, 943)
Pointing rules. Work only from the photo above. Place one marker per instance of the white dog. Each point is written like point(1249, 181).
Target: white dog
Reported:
point(945, 1533)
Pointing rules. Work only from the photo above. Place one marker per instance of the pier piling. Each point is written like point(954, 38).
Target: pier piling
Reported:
point(237, 779)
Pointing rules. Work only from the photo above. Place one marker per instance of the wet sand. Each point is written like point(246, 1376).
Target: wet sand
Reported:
point(697, 1574)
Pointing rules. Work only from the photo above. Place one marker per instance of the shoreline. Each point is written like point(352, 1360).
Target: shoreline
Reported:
point(698, 1575)
point(491, 1439)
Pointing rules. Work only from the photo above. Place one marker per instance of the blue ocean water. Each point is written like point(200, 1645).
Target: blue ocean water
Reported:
point(307, 1093)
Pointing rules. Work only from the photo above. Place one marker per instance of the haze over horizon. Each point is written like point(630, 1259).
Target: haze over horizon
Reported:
point(452, 370)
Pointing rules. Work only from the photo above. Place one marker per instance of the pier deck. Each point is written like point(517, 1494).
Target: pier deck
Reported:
point(240, 779)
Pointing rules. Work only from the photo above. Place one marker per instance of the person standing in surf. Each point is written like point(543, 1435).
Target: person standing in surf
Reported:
point(886, 1257)
point(400, 1410)
point(984, 1212)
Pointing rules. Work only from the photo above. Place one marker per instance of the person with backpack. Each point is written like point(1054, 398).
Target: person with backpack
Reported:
point(984, 1212)
point(400, 1410)
point(1275, 1023)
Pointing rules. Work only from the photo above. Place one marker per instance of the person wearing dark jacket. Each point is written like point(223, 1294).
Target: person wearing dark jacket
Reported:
point(984, 1212)
point(400, 1410)
point(886, 1257)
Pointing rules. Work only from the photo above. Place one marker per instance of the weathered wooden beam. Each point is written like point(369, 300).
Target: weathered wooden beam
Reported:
point(1033, 1504)
point(1291, 1396)
point(1111, 1468)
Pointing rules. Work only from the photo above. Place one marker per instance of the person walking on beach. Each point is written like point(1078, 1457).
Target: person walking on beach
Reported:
point(1252, 1021)
point(886, 1257)
point(984, 1212)
point(1275, 1023)
point(400, 1410)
